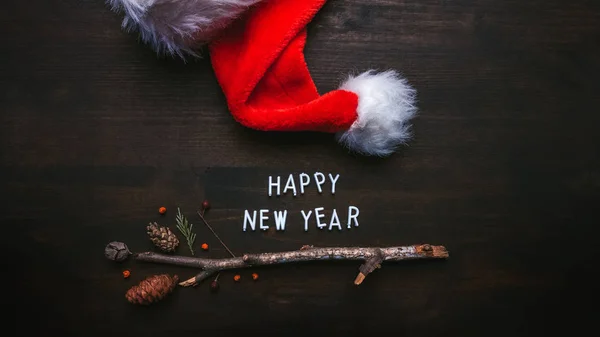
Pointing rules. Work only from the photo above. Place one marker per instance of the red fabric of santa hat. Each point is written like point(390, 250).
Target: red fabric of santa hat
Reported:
point(256, 49)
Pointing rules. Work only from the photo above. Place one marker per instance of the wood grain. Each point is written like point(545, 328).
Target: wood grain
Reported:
point(97, 132)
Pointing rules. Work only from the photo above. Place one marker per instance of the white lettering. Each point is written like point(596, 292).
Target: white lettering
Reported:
point(280, 218)
point(304, 182)
point(335, 221)
point(290, 185)
point(306, 217)
point(319, 181)
point(353, 215)
point(271, 184)
point(319, 215)
point(250, 221)
point(263, 218)
point(333, 181)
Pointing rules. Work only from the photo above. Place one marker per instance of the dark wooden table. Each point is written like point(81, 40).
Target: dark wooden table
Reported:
point(97, 132)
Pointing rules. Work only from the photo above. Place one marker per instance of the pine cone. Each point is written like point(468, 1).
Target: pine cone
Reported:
point(162, 237)
point(152, 289)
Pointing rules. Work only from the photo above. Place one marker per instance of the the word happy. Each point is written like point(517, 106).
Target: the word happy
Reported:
point(304, 181)
point(263, 219)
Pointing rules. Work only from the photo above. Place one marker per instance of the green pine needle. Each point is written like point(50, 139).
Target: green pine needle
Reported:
point(186, 229)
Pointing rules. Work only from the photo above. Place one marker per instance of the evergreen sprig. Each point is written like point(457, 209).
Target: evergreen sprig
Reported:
point(185, 227)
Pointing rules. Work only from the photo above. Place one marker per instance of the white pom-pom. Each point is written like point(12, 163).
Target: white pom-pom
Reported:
point(386, 103)
point(179, 27)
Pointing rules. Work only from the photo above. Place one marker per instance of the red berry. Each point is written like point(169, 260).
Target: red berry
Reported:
point(214, 286)
point(205, 205)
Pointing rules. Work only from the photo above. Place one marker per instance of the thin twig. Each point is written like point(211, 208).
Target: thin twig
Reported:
point(215, 234)
point(373, 257)
point(198, 277)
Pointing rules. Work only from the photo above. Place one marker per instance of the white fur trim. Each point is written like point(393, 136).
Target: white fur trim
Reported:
point(178, 27)
point(386, 102)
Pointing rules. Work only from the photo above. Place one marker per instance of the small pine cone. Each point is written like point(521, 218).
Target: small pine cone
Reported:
point(162, 237)
point(152, 289)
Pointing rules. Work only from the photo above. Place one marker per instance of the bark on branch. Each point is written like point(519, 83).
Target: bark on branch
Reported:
point(373, 257)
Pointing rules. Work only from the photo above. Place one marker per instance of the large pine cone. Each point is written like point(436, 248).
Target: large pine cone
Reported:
point(162, 237)
point(152, 289)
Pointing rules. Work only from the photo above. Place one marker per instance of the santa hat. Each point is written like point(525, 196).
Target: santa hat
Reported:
point(256, 49)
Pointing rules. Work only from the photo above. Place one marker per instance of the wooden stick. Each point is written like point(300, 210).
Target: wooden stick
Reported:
point(203, 275)
point(373, 257)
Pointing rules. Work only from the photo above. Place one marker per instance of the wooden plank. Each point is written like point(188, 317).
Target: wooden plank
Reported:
point(96, 133)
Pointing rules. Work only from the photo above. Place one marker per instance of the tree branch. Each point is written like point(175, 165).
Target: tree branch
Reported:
point(198, 278)
point(370, 264)
point(373, 257)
